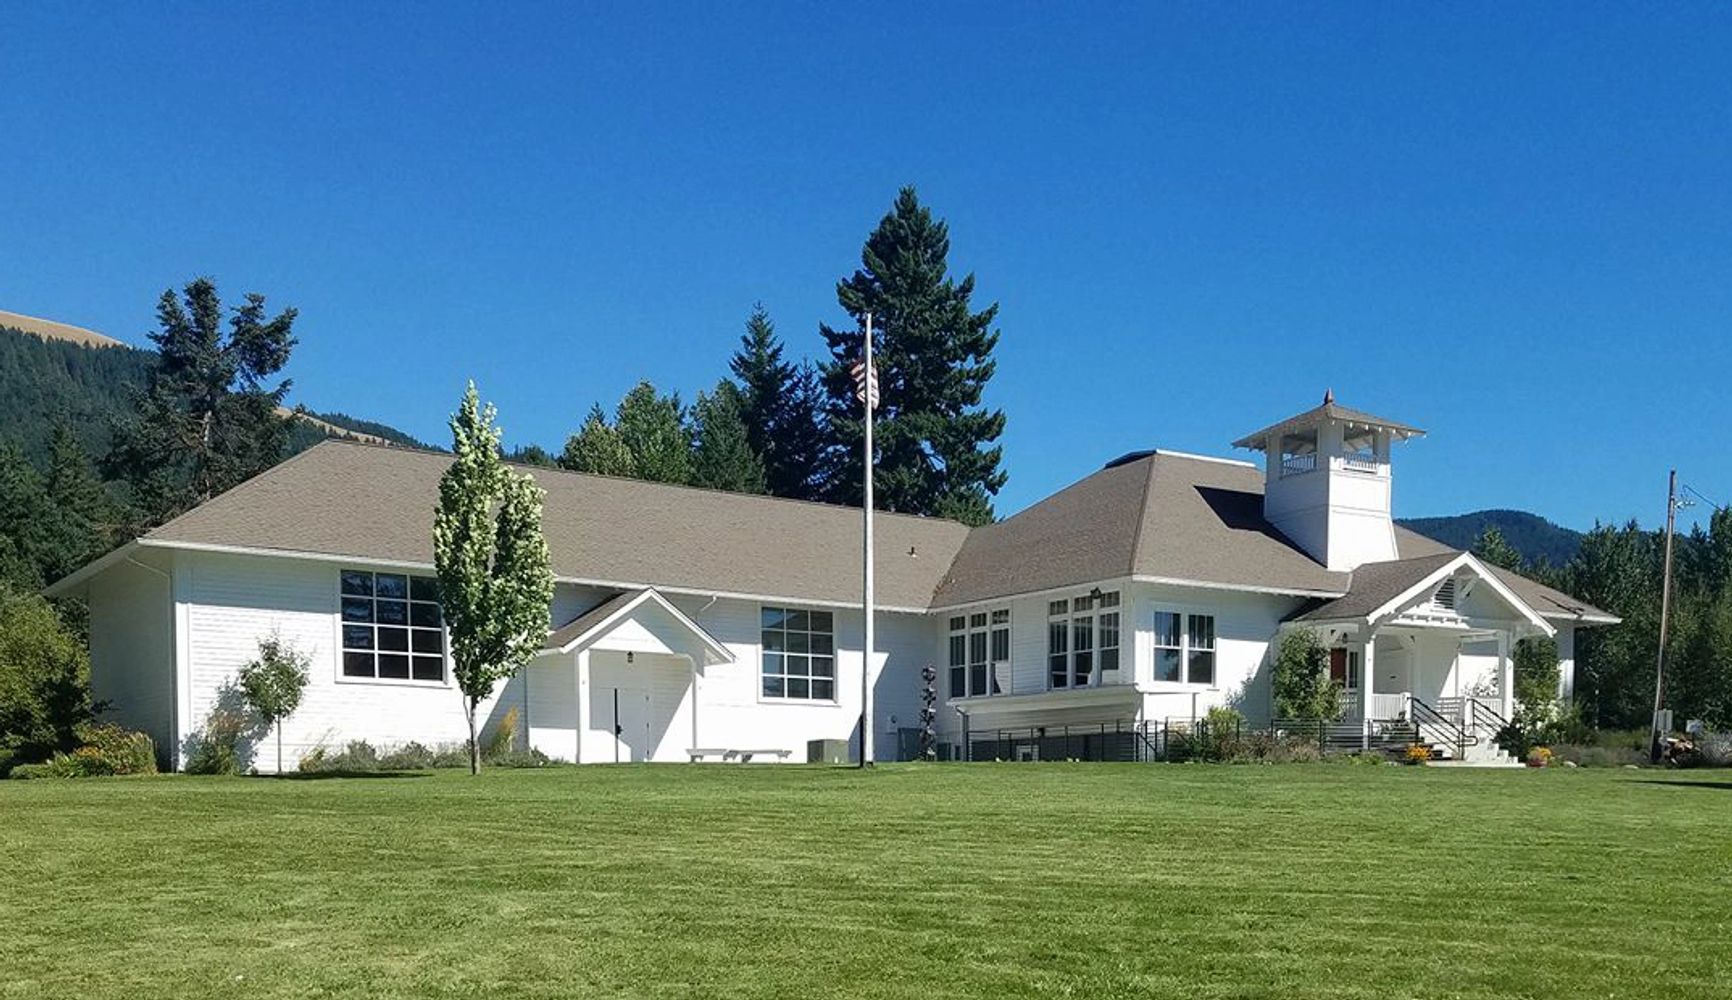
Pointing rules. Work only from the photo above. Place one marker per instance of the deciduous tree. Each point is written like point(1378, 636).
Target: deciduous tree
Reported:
point(495, 581)
point(273, 684)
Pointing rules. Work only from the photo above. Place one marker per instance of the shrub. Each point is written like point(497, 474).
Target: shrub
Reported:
point(1539, 757)
point(1300, 675)
point(1589, 755)
point(1418, 753)
point(504, 738)
point(215, 750)
point(408, 757)
point(1265, 747)
point(25, 772)
point(522, 758)
point(122, 751)
point(44, 680)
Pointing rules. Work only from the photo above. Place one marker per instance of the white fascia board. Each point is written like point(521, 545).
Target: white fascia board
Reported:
point(373, 561)
point(1431, 581)
point(721, 652)
point(1240, 588)
point(1069, 588)
point(78, 577)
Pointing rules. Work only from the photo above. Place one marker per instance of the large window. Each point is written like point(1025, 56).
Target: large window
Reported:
point(392, 628)
point(1082, 635)
point(799, 654)
point(1184, 648)
point(979, 648)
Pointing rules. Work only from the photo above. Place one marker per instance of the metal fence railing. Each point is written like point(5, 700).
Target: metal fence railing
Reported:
point(1168, 740)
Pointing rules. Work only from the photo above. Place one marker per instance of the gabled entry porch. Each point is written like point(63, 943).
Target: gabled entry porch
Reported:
point(620, 683)
point(1424, 647)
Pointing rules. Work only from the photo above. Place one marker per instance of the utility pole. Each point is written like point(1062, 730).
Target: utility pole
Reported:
point(1665, 614)
point(867, 379)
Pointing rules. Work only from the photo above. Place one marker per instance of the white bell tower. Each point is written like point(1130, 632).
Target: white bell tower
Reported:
point(1328, 483)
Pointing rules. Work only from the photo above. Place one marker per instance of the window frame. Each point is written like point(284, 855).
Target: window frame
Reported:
point(341, 676)
point(1077, 619)
point(1186, 647)
point(979, 629)
point(764, 651)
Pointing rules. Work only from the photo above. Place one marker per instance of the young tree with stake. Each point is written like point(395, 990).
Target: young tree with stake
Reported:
point(495, 583)
point(272, 684)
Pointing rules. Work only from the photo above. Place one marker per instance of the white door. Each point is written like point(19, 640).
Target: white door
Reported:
point(619, 715)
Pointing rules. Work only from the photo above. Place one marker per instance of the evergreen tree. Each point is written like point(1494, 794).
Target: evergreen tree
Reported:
point(597, 448)
point(532, 454)
point(208, 417)
point(722, 456)
point(779, 403)
point(84, 519)
point(24, 519)
point(1491, 548)
point(652, 428)
point(934, 354)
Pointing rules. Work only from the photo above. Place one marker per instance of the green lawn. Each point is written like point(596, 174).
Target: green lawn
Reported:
point(1092, 880)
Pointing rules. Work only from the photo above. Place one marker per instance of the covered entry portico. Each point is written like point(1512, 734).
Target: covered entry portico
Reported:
point(1427, 638)
point(619, 683)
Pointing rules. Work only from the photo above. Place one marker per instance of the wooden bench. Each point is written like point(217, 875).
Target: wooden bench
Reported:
point(697, 754)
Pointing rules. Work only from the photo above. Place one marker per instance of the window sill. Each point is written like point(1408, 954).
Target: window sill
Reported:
point(408, 682)
point(765, 699)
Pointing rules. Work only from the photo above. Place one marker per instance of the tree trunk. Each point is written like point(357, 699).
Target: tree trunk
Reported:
point(474, 744)
point(279, 748)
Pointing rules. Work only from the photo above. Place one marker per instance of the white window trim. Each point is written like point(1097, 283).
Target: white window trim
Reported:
point(1069, 618)
point(1184, 612)
point(835, 659)
point(448, 683)
point(967, 632)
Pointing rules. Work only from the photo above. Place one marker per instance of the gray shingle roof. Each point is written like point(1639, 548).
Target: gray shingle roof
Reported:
point(347, 499)
point(1158, 515)
point(1376, 584)
point(575, 628)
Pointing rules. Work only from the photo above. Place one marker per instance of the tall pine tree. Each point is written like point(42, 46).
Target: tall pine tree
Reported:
point(779, 404)
point(25, 516)
point(722, 454)
point(85, 520)
point(208, 418)
point(935, 445)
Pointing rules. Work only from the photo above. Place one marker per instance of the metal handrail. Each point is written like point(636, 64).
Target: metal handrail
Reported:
point(1424, 715)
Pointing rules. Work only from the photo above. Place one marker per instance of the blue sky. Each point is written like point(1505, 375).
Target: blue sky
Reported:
point(1510, 225)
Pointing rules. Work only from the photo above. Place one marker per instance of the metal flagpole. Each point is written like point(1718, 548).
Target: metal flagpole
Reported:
point(869, 398)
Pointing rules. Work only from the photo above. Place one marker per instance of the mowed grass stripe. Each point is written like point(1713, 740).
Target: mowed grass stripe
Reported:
point(953, 881)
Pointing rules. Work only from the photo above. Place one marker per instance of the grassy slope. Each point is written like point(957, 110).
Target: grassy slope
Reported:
point(953, 881)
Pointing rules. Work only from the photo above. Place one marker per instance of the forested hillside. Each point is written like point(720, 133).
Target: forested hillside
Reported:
point(44, 381)
point(1537, 539)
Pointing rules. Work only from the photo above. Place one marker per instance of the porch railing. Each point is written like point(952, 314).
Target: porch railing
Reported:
point(1384, 707)
point(1292, 465)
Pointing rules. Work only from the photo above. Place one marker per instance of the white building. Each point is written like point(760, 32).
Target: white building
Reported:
point(689, 620)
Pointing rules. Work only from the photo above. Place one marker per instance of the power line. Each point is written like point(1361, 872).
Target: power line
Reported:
point(1699, 495)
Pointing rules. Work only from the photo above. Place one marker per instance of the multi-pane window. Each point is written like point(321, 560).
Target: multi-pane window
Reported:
point(392, 628)
point(979, 647)
point(799, 654)
point(1184, 648)
point(1082, 635)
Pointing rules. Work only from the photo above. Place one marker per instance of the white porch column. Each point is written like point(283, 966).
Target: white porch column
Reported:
point(582, 681)
point(1566, 640)
point(1505, 675)
point(1367, 675)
